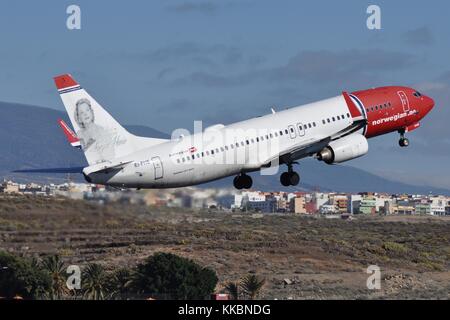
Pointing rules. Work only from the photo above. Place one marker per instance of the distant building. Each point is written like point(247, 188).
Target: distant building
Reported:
point(423, 208)
point(298, 205)
point(10, 187)
point(404, 206)
point(320, 199)
point(367, 206)
point(328, 209)
point(437, 206)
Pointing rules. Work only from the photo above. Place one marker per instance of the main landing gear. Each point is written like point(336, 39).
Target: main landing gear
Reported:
point(289, 178)
point(243, 181)
point(403, 142)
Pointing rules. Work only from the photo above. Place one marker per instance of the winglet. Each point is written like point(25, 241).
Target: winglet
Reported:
point(354, 110)
point(64, 81)
point(70, 135)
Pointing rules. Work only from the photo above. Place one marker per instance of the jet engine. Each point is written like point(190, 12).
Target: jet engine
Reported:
point(344, 149)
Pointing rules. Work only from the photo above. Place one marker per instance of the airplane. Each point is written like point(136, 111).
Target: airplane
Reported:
point(333, 130)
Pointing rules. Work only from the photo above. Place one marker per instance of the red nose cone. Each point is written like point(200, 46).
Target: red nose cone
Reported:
point(429, 104)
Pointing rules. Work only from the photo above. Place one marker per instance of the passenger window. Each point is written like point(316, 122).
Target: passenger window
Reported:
point(193, 157)
point(248, 142)
point(271, 136)
point(184, 160)
point(338, 117)
point(257, 139)
point(222, 149)
point(328, 120)
point(292, 130)
point(323, 121)
point(334, 119)
point(207, 153)
point(212, 151)
point(314, 124)
point(267, 137)
point(178, 160)
point(348, 115)
point(286, 131)
point(309, 125)
point(281, 133)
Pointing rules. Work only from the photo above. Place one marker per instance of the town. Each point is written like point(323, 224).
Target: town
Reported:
point(252, 201)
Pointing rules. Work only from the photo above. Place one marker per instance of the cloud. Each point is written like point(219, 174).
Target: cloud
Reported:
point(197, 52)
point(207, 7)
point(350, 67)
point(324, 65)
point(419, 37)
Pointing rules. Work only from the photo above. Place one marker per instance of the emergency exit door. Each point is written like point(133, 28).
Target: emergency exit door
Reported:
point(158, 167)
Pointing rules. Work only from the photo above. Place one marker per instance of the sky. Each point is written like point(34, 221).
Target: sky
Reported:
point(165, 64)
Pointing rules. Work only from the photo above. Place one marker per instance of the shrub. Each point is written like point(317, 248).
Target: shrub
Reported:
point(169, 276)
point(21, 277)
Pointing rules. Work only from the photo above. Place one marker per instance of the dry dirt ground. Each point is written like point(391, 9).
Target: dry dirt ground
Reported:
point(300, 257)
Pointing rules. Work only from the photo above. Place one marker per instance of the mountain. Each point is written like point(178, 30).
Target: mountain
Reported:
point(30, 137)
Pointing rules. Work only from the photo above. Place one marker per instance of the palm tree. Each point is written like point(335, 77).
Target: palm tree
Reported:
point(94, 282)
point(121, 282)
point(252, 286)
point(233, 290)
point(55, 267)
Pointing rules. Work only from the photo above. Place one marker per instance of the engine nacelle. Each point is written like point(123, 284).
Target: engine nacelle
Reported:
point(344, 149)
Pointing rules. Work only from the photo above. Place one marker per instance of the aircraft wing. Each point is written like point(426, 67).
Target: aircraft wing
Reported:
point(52, 170)
point(316, 144)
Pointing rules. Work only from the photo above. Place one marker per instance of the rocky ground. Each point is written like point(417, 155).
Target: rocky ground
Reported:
point(300, 257)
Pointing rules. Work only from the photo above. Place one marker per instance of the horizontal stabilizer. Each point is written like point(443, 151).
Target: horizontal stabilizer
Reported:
point(105, 167)
point(70, 135)
point(52, 170)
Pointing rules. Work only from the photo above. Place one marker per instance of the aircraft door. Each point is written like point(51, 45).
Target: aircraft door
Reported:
point(404, 100)
point(292, 132)
point(158, 167)
point(301, 129)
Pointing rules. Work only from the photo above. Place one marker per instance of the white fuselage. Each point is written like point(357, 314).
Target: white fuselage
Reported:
point(222, 151)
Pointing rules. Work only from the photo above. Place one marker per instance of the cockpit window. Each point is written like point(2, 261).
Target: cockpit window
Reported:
point(417, 94)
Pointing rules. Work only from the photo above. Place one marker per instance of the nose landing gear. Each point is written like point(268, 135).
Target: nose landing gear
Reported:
point(403, 142)
point(243, 181)
point(290, 178)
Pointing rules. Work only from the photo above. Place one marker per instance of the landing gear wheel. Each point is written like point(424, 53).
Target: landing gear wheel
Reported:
point(237, 182)
point(294, 178)
point(247, 181)
point(285, 179)
point(403, 142)
point(243, 182)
